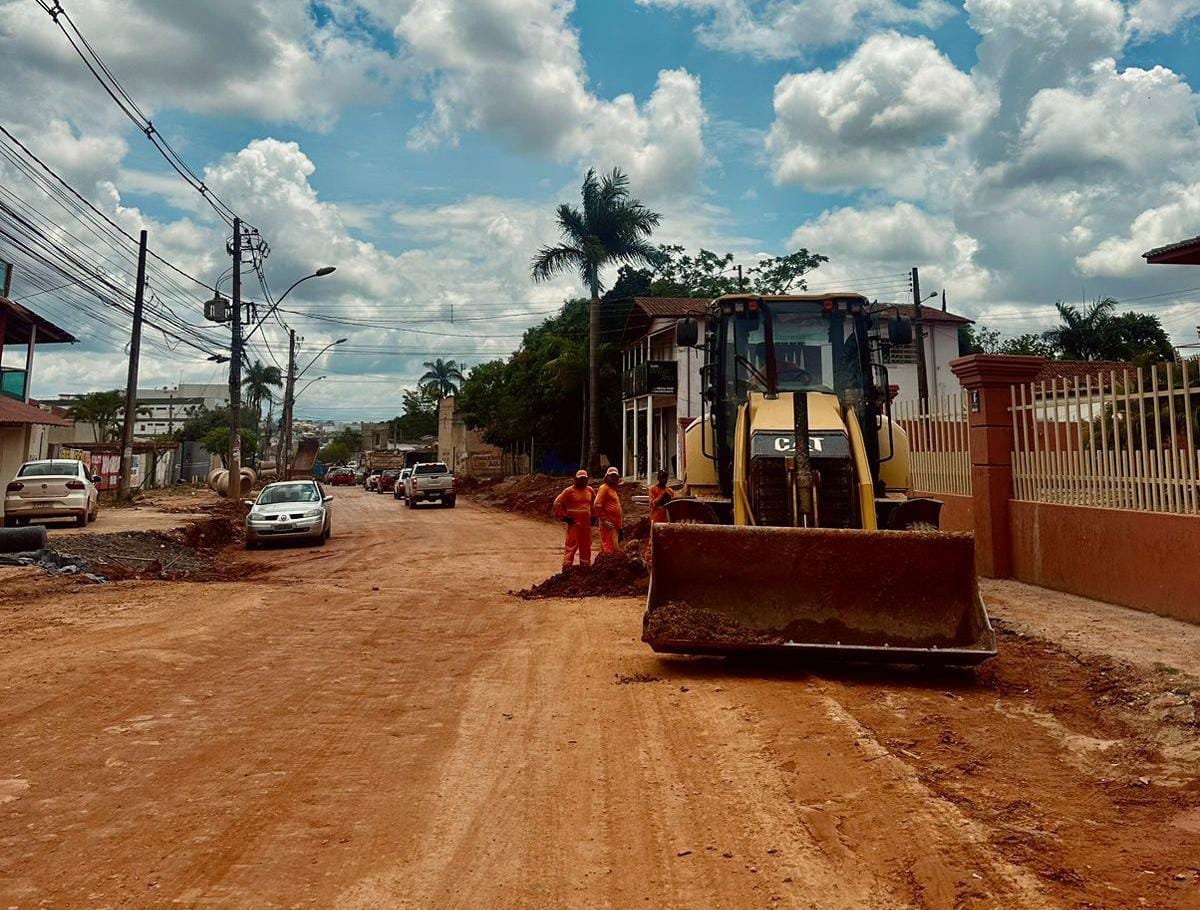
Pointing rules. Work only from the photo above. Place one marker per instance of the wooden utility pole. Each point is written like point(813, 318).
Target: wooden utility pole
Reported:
point(919, 340)
point(235, 370)
point(289, 394)
point(131, 380)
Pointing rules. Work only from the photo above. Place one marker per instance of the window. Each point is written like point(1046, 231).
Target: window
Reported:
point(901, 353)
point(51, 469)
point(289, 492)
point(436, 467)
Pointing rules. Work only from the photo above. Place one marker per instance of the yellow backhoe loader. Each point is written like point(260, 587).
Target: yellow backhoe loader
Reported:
point(796, 531)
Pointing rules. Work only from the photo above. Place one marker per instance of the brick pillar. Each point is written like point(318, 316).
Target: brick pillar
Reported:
point(988, 379)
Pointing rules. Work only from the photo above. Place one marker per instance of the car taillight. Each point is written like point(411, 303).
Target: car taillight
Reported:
point(15, 487)
point(75, 485)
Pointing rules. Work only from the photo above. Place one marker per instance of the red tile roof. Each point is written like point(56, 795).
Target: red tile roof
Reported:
point(19, 319)
point(1081, 369)
point(673, 306)
point(1185, 252)
point(18, 413)
point(928, 313)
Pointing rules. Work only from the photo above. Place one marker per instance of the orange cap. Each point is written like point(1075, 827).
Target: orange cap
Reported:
point(581, 473)
point(612, 472)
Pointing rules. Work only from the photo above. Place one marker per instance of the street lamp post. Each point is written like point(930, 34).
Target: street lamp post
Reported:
point(289, 398)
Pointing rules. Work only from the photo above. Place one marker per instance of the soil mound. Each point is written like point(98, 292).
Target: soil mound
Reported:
point(534, 495)
point(620, 575)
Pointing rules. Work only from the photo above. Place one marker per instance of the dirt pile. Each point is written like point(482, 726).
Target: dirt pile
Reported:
point(134, 554)
point(620, 575)
point(224, 524)
point(534, 495)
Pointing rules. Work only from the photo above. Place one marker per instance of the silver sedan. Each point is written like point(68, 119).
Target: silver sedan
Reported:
point(289, 510)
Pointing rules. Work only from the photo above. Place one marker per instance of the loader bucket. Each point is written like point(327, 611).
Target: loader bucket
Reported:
point(887, 596)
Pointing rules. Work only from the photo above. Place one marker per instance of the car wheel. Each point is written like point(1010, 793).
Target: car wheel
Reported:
point(251, 544)
point(94, 514)
point(10, 522)
point(448, 502)
point(81, 520)
point(329, 530)
point(408, 502)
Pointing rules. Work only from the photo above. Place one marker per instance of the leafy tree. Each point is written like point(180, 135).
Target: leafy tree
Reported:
point(538, 394)
point(102, 410)
point(196, 426)
point(611, 228)
point(676, 273)
point(1099, 333)
point(1030, 344)
point(420, 416)
point(344, 445)
point(442, 376)
point(216, 441)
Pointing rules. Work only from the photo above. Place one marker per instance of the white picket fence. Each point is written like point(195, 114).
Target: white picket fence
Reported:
point(939, 444)
point(1115, 441)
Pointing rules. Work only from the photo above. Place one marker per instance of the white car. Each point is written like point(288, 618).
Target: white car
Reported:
point(401, 483)
point(51, 488)
point(289, 509)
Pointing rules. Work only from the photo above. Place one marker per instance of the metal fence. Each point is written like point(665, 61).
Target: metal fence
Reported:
point(939, 444)
point(1118, 440)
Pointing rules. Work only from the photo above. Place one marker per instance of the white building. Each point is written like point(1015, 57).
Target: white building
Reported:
point(660, 381)
point(163, 411)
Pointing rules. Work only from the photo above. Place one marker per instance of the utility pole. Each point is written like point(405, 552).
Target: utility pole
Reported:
point(235, 370)
point(131, 381)
point(741, 280)
point(919, 339)
point(289, 392)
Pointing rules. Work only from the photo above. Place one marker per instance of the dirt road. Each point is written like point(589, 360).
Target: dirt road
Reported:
point(377, 724)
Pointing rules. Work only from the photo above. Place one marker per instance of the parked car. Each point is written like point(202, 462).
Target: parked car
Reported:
point(387, 482)
point(341, 477)
point(398, 492)
point(51, 488)
point(372, 481)
point(289, 509)
point(360, 476)
point(430, 482)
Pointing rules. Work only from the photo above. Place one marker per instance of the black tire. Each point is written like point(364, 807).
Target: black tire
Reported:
point(408, 502)
point(94, 514)
point(81, 520)
point(251, 545)
point(448, 502)
point(10, 522)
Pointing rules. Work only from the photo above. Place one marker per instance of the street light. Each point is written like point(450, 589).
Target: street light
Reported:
point(317, 356)
point(319, 273)
point(306, 385)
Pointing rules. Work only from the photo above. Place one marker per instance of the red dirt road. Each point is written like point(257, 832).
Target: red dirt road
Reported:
point(378, 724)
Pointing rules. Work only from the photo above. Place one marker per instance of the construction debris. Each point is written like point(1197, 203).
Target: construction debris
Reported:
point(620, 575)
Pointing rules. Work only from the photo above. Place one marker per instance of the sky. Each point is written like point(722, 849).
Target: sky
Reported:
point(1018, 152)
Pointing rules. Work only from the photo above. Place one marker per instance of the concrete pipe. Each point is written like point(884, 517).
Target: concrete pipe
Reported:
point(212, 477)
point(22, 540)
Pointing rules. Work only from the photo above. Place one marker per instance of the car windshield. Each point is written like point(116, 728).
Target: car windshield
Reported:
point(288, 492)
point(436, 468)
point(50, 469)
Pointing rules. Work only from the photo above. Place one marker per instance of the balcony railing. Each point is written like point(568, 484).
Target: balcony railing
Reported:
point(654, 377)
point(12, 383)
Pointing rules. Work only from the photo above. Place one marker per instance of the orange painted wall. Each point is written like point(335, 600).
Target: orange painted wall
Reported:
point(1146, 560)
point(958, 512)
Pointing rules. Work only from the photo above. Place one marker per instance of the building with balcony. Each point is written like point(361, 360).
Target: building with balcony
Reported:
point(23, 426)
point(660, 385)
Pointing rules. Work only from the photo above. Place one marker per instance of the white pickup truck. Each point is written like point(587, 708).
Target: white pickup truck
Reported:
point(428, 482)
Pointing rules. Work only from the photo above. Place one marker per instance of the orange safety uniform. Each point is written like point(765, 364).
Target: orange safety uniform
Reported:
point(659, 497)
point(577, 505)
point(607, 509)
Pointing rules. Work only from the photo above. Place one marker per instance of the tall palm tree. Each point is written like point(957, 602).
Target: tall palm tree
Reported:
point(257, 383)
point(442, 376)
point(102, 410)
point(1083, 335)
point(612, 228)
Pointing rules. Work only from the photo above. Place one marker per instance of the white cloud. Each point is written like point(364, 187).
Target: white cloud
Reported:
point(883, 113)
point(1148, 18)
point(889, 240)
point(780, 30)
point(269, 59)
point(513, 68)
point(1121, 257)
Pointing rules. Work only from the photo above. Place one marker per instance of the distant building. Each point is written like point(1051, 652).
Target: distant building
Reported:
point(465, 451)
point(162, 411)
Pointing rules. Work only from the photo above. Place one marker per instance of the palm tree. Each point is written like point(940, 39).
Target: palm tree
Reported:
point(1082, 335)
point(442, 376)
point(612, 228)
point(102, 410)
point(257, 384)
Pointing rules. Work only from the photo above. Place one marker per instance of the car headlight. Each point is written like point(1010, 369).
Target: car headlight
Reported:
point(314, 513)
point(257, 516)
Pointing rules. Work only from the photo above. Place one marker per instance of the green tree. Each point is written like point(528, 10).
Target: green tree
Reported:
point(257, 384)
point(420, 414)
point(1099, 333)
point(102, 410)
point(198, 424)
point(442, 376)
point(344, 445)
point(217, 440)
point(676, 273)
point(611, 228)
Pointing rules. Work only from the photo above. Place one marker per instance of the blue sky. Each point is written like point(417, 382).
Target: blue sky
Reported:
point(1017, 151)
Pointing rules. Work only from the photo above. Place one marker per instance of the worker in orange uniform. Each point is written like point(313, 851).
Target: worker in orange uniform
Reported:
point(607, 509)
point(574, 508)
point(660, 495)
